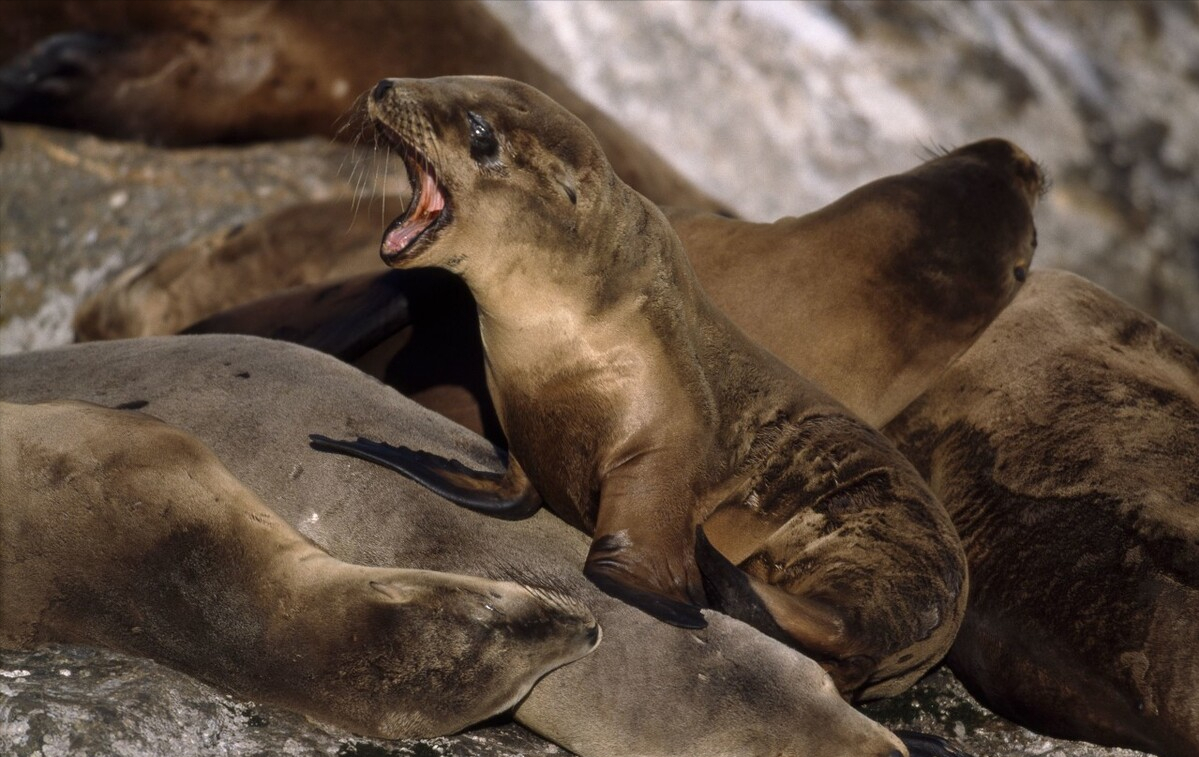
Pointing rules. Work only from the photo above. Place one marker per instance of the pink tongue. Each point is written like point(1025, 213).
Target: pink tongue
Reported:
point(431, 204)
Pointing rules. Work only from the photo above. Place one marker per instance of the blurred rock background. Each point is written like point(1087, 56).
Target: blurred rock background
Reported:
point(776, 107)
point(781, 106)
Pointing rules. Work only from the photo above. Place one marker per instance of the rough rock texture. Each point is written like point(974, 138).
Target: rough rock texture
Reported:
point(75, 210)
point(779, 107)
point(73, 700)
point(63, 701)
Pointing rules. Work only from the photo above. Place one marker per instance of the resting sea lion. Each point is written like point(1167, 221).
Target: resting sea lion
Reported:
point(119, 530)
point(649, 689)
point(1065, 444)
point(181, 72)
point(639, 413)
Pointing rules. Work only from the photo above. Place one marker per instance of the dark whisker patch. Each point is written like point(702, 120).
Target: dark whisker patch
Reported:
point(932, 150)
point(1046, 179)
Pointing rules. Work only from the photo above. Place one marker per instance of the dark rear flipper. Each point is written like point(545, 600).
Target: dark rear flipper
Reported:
point(815, 627)
point(927, 745)
point(729, 591)
point(481, 491)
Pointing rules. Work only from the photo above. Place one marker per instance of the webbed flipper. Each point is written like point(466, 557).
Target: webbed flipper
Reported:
point(507, 495)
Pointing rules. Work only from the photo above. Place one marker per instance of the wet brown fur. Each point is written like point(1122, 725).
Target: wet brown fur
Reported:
point(638, 411)
point(1065, 444)
point(121, 531)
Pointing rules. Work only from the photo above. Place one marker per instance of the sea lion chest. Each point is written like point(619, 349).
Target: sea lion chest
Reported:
point(585, 409)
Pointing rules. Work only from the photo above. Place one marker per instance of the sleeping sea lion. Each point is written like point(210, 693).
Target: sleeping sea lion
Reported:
point(1065, 444)
point(121, 531)
point(639, 413)
point(649, 689)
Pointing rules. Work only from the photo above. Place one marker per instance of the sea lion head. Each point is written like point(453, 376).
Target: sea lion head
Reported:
point(493, 163)
point(975, 207)
point(436, 652)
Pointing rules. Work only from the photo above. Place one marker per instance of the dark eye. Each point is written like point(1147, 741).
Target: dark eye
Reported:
point(483, 144)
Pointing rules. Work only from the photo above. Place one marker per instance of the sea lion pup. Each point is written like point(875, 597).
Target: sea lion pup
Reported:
point(640, 413)
point(648, 690)
point(180, 72)
point(1065, 444)
point(121, 531)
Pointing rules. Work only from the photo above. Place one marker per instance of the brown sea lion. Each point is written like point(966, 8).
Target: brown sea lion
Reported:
point(638, 412)
point(649, 689)
point(875, 294)
point(1065, 444)
point(946, 244)
point(121, 531)
point(180, 72)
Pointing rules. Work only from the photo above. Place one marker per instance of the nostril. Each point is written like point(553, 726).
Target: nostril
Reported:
point(381, 89)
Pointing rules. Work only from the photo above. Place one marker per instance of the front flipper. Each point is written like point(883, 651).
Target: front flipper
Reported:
point(614, 579)
point(509, 495)
point(642, 552)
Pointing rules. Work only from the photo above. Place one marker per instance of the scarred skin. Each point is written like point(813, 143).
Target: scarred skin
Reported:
point(637, 412)
point(1065, 445)
point(121, 531)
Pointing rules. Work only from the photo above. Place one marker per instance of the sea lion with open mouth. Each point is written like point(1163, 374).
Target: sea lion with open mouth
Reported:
point(639, 414)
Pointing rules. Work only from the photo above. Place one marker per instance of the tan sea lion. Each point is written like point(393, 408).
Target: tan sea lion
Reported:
point(946, 244)
point(180, 72)
point(121, 531)
point(649, 689)
point(1065, 444)
point(639, 413)
point(875, 294)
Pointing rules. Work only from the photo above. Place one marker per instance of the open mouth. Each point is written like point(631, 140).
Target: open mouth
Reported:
point(428, 211)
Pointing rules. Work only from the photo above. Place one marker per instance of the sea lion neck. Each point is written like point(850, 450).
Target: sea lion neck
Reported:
point(624, 259)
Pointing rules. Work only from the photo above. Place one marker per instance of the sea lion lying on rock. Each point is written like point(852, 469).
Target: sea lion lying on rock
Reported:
point(649, 689)
point(181, 72)
point(121, 531)
point(1065, 444)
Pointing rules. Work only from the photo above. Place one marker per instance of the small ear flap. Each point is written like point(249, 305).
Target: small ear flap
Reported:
point(566, 180)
